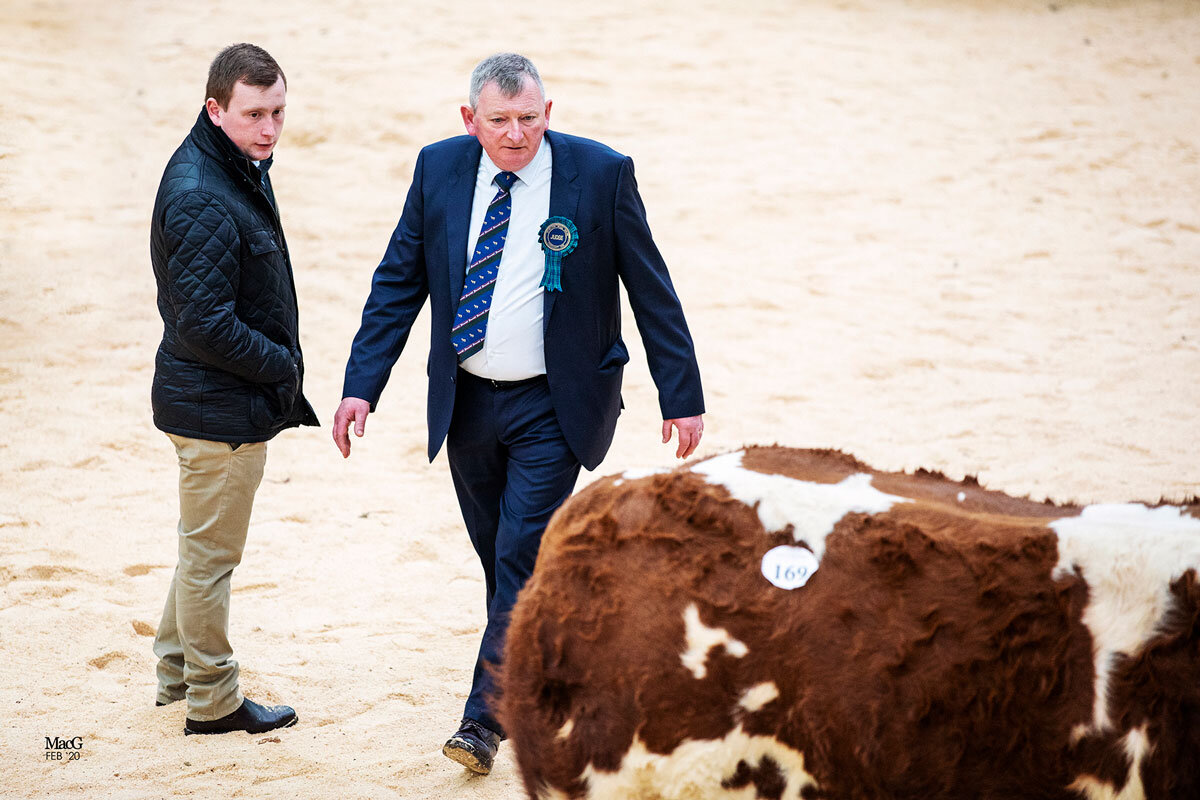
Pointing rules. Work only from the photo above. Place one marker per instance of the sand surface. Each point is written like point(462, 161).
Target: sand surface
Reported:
point(957, 235)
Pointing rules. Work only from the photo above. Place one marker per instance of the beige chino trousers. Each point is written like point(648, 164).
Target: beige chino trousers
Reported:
point(216, 492)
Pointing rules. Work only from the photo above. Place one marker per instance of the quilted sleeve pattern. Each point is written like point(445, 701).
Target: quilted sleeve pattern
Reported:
point(204, 269)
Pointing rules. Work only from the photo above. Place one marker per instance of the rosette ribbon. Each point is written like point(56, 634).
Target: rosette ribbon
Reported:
point(559, 237)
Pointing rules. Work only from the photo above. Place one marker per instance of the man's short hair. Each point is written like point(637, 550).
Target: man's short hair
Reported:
point(506, 70)
point(243, 62)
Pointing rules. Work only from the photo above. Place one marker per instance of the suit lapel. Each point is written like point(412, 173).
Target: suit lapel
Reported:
point(564, 202)
point(459, 195)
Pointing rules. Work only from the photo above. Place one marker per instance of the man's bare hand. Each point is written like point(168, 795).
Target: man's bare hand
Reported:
point(352, 410)
point(690, 431)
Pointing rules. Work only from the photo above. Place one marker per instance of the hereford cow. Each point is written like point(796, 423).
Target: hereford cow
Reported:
point(779, 623)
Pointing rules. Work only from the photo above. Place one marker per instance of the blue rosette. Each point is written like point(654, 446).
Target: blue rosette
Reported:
point(559, 237)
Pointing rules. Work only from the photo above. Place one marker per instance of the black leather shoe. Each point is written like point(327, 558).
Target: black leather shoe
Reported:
point(250, 717)
point(474, 746)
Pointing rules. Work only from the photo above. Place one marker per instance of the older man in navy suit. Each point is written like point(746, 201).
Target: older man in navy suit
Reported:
point(519, 237)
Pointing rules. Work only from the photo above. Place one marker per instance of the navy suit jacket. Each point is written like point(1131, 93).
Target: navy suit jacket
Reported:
point(593, 186)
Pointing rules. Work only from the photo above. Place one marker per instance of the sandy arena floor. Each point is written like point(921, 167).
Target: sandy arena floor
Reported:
point(957, 235)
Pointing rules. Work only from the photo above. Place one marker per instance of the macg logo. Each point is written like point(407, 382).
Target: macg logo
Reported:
point(56, 746)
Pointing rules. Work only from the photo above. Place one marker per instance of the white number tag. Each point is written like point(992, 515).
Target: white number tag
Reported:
point(789, 567)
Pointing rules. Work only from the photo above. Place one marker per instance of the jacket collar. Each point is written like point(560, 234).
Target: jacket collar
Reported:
point(215, 144)
point(564, 202)
point(564, 159)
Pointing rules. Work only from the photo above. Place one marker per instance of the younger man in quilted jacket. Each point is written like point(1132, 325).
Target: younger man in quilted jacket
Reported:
point(228, 373)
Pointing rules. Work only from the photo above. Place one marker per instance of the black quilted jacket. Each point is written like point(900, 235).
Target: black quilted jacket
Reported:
point(229, 368)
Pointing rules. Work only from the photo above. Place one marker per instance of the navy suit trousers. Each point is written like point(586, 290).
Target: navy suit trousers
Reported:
point(512, 469)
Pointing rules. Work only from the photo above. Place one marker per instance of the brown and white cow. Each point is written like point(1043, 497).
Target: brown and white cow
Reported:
point(779, 623)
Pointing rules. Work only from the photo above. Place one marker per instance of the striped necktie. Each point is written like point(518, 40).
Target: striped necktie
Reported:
point(470, 322)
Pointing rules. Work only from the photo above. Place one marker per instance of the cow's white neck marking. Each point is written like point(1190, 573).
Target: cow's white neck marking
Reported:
point(701, 638)
point(811, 508)
point(1128, 554)
point(758, 695)
point(1136, 746)
point(696, 768)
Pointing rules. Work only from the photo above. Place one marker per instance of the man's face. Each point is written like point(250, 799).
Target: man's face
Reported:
point(254, 118)
point(509, 128)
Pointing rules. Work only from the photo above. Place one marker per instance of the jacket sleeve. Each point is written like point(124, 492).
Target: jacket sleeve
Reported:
point(398, 291)
point(656, 308)
point(204, 270)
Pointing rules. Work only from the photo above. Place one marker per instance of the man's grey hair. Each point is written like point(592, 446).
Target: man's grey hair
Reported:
point(508, 71)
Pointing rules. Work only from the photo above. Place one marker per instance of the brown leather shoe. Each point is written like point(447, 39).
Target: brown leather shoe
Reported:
point(474, 746)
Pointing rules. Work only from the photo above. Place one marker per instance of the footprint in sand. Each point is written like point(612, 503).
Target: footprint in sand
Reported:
point(406, 697)
point(420, 551)
point(49, 572)
point(254, 587)
point(48, 592)
point(136, 570)
point(113, 657)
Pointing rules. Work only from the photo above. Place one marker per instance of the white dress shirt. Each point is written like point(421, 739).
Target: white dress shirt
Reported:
point(513, 347)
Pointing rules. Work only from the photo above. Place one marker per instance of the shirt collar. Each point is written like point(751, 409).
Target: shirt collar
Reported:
point(525, 174)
